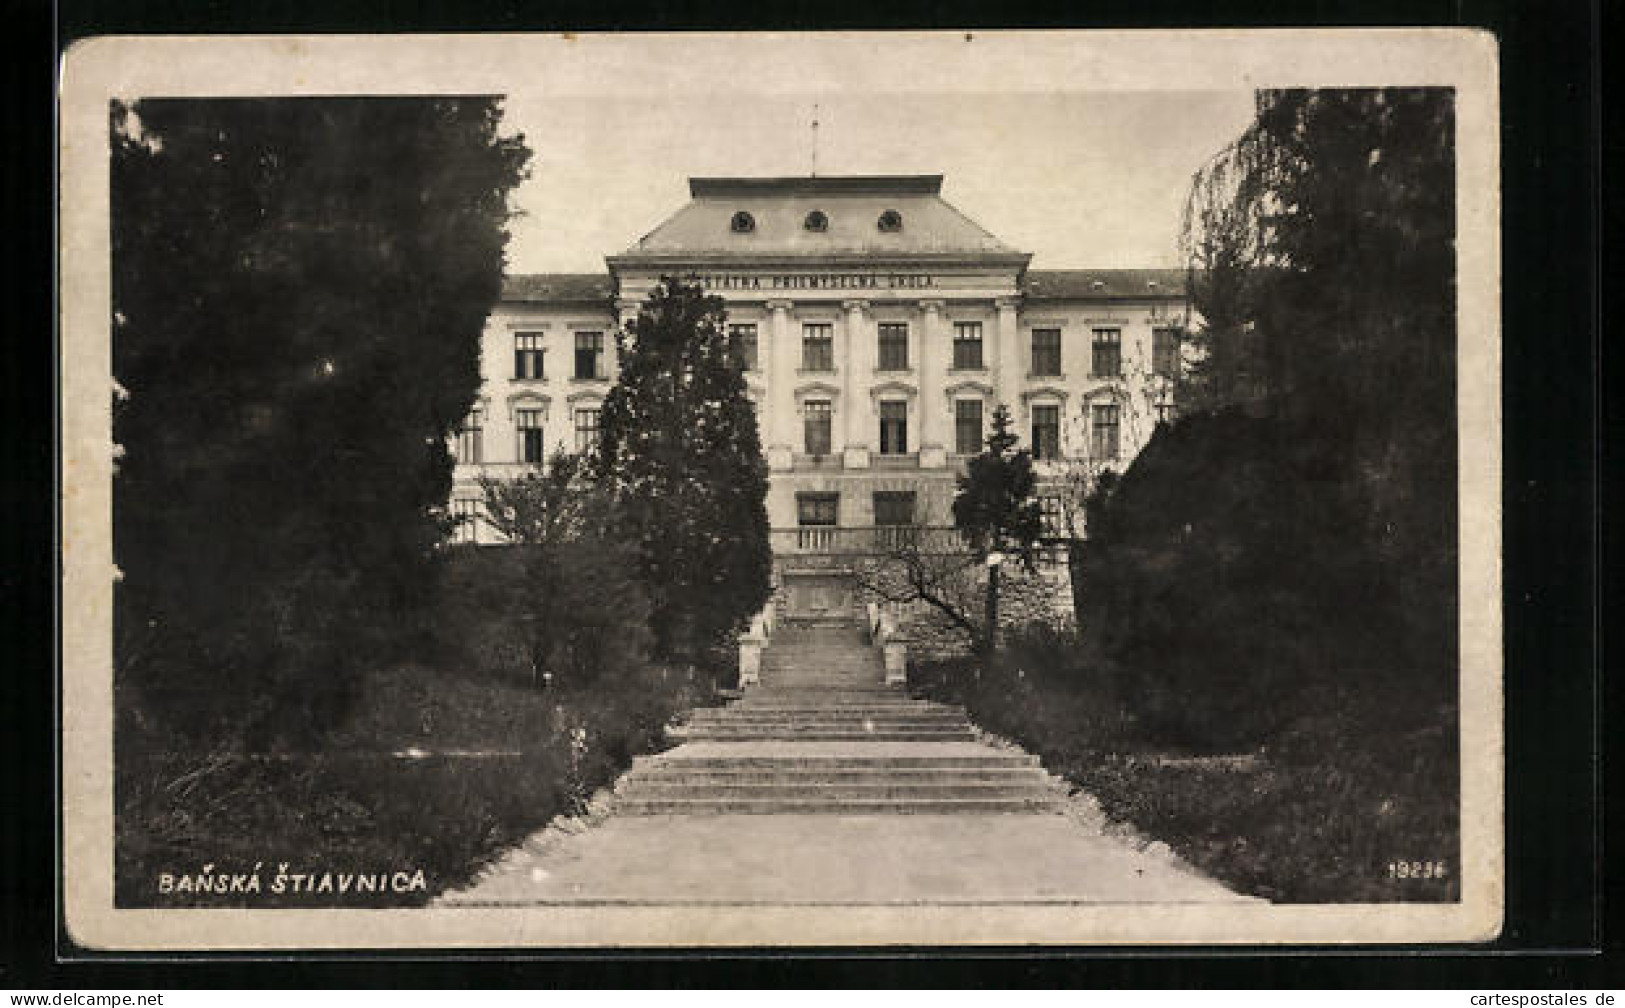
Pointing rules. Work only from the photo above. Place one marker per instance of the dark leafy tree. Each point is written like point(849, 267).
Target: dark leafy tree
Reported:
point(679, 448)
point(996, 511)
point(1293, 537)
point(298, 289)
point(567, 556)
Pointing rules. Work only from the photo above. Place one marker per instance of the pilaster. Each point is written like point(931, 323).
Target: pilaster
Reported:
point(780, 374)
point(1009, 372)
point(933, 355)
point(858, 417)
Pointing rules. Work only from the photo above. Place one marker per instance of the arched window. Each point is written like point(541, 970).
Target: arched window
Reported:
point(891, 220)
point(816, 221)
point(742, 223)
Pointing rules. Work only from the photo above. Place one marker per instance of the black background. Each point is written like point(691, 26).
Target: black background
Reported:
point(1560, 480)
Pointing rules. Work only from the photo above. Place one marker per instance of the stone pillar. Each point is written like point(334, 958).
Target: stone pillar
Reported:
point(780, 370)
point(1010, 373)
point(854, 393)
point(934, 350)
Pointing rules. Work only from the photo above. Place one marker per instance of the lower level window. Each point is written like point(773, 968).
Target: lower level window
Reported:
point(817, 508)
point(968, 426)
point(893, 428)
point(1167, 413)
point(894, 507)
point(1046, 432)
point(1054, 516)
point(467, 512)
point(532, 448)
point(816, 418)
point(1103, 432)
point(471, 440)
point(586, 429)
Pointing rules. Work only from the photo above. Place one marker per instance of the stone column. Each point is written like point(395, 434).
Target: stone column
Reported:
point(934, 351)
point(780, 371)
point(1010, 372)
point(854, 392)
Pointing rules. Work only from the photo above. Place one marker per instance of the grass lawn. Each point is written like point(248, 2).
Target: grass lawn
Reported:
point(1338, 811)
point(355, 811)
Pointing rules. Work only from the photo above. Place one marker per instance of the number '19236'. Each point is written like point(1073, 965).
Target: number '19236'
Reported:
point(1417, 869)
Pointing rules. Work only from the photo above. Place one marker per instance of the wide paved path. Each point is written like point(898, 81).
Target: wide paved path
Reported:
point(828, 859)
point(824, 785)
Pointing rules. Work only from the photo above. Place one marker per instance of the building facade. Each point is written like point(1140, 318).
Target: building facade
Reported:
point(878, 328)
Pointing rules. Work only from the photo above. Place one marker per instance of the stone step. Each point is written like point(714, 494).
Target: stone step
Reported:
point(754, 715)
point(866, 724)
point(639, 790)
point(878, 696)
point(864, 674)
point(877, 689)
point(902, 705)
point(834, 764)
point(844, 806)
point(814, 733)
point(792, 664)
point(1004, 776)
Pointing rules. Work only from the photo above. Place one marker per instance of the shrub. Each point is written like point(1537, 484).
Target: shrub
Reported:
point(1230, 591)
point(353, 807)
point(533, 613)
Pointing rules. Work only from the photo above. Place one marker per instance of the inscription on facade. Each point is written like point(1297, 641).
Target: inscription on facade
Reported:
point(816, 281)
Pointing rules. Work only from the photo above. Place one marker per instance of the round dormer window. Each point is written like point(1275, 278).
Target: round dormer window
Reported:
point(742, 223)
point(891, 220)
point(816, 221)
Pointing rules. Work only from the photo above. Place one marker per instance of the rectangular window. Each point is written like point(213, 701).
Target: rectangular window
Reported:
point(589, 355)
point(1165, 351)
point(967, 346)
point(817, 508)
point(893, 428)
point(967, 426)
point(894, 507)
point(818, 347)
point(586, 429)
point(1167, 413)
point(1103, 432)
point(816, 421)
point(527, 355)
point(1108, 354)
point(893, 346)
point(1047, 352)
point(1054, 516)
point(742, 344)
point(531, 446)
point(467, 512)
point(1046, 432)
point(471, 439)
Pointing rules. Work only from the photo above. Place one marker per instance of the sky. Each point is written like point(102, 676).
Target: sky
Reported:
point(1081, 175)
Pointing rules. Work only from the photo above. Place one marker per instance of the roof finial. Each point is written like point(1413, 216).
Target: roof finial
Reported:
point(815, 140)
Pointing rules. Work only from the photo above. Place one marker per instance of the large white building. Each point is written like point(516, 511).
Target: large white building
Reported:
point(879, 328)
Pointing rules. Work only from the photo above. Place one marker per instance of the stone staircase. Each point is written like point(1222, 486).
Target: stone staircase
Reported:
point(822, 733)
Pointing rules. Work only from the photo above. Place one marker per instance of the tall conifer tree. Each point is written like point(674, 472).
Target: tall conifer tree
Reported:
point(299, 287)
point(680, 448)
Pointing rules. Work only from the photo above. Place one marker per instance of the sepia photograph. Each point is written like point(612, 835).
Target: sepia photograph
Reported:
point(915, 488)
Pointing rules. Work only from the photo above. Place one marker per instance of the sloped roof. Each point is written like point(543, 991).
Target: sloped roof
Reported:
point(852, 203)
point(557, 287)
point(1067, 284)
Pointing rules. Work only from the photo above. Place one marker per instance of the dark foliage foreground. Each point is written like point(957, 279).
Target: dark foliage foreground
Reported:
point(1325, 814)
point(354, 810)
point(298, 290)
